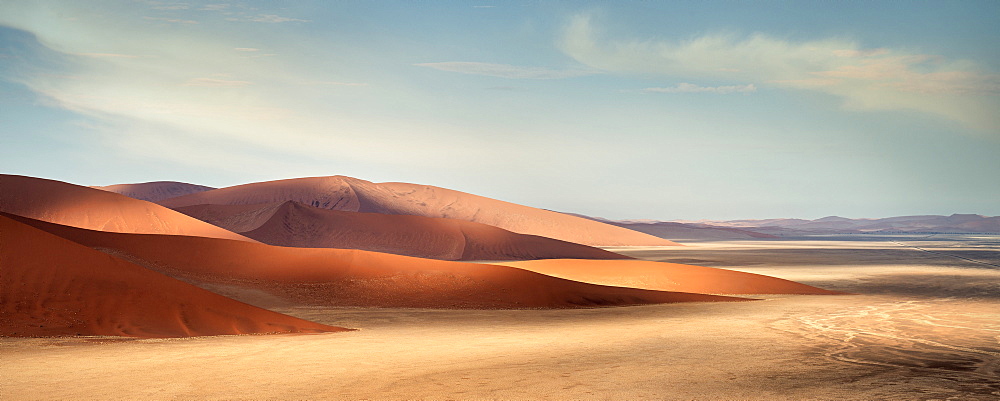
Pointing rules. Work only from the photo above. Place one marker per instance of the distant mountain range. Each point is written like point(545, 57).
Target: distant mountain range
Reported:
point(956, 223)
point(677, 231)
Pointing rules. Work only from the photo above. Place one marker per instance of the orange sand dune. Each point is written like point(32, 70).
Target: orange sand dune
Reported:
point(298, 225)
point(50, 286)
point(77, 206)
point(354, 195)
point(666, 276)
point(316, 276)
point(154, 191)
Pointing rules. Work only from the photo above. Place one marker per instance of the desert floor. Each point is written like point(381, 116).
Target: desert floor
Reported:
point(925, 325)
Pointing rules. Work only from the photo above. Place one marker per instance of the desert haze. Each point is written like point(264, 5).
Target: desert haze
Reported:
point(352, 293)
point(499, 200)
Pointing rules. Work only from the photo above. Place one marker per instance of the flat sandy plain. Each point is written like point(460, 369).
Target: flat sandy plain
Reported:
point(925, 325)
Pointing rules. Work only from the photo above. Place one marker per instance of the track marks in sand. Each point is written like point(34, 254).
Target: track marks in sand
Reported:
point(950, 343)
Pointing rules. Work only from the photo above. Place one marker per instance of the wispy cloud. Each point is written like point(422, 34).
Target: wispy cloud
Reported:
point(164, 5)
point(171, 20)
point(333, 83)
point(192, 89)
point(866, 79)
point(216, 82)
point(246, 49)
point(214, 7)
point(692, 88)
point(507, 71)
point(273, 19)
point(106, 55)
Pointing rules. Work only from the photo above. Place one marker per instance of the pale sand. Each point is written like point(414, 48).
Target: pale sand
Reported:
point(927, 328)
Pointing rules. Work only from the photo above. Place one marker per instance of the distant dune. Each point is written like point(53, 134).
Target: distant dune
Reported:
point(78, 206)
point(666, 277)
point(297, 225)
point(154, 191)
point(50, 286)
point(260, 273)
point(354, 195)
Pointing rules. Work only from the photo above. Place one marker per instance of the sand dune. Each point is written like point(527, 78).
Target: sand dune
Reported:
point(336, 277)
point(666, 276)
point(50, 286)
point(78, 206)
point(354, 195)
point(298, 225)
point(154, 191)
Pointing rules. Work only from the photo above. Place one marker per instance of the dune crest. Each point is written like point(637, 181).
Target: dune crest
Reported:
point(337, 277)
point(78, 206)
point(154, 191)
point(298, 225)
point(354, 195)
point(666, 276)
point(50, 286)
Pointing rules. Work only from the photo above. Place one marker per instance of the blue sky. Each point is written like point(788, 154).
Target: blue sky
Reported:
point(666, 110)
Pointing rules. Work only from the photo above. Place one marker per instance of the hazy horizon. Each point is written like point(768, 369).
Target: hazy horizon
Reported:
point(643, 110)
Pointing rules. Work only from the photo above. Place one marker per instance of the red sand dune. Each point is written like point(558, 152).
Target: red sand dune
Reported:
point(50, 286)
point(354, 195)
point(336, 277)
point(666, 277)
point(298, 225)
point(78, 206)
point(154, 191)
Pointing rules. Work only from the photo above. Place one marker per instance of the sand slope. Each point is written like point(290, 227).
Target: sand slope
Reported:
point(336, 277)
point(154, 191)
point(297, 225)
point(50, 286)
point(354, 195)
point(666, 276)
point(79, 206)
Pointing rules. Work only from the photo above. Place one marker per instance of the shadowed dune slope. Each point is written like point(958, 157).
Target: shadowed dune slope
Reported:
point(78, 206)
point(154, 191)
point(298, 225)
point(235, 218)
point(50, 286)
point(666, 277)
point(337, 277)
point(354, 195)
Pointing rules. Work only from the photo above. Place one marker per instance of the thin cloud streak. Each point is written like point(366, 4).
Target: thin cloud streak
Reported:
point(215, 82)
point(692, 88)
point(271, 18)
point(333, 83)
point(171, 20)
point(506, 70)
point(866, 79)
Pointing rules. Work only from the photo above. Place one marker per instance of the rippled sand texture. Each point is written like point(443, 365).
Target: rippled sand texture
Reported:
point(928, 309)
point(925, 326)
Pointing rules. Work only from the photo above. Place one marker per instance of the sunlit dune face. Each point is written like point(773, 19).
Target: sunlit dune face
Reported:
point(354, 195)
point(666, 277)
point(294, 224)
point(54, 287)
point(335, 277)
point(95, 209)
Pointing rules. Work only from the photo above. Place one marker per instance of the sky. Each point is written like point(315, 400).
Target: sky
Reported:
point(643, 109)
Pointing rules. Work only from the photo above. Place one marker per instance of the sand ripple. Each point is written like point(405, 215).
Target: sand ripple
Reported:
point(953, 343)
